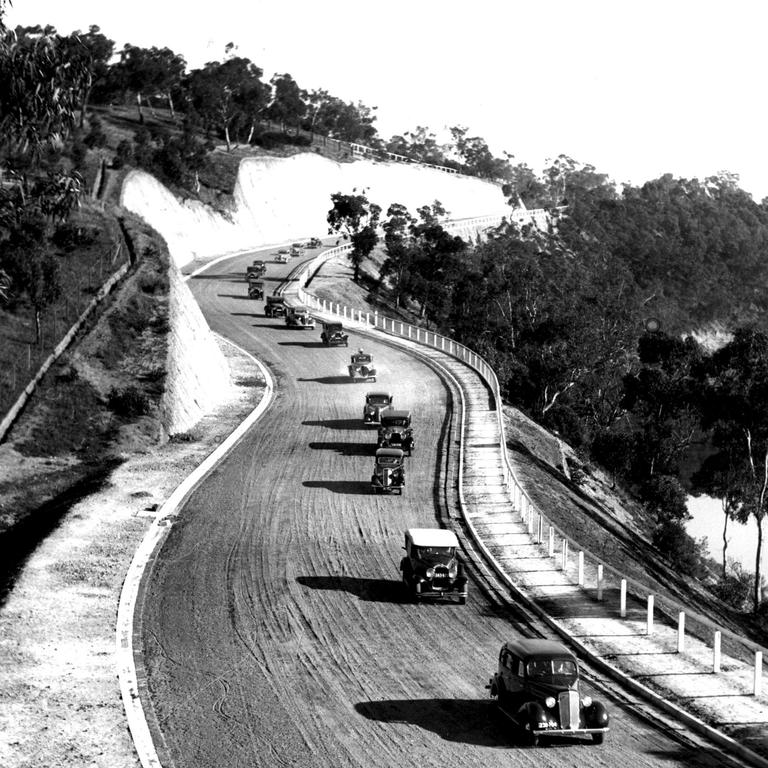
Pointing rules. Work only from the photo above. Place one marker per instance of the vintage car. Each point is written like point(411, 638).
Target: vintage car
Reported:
point(395, 430)
point(537, 688)
point(257, 269)
point(388, 471)
point(297, 250)
point(314, 242)
point(275, 306)
point(255, 289)
point(333, 334)
point(431, 567)
point(281, 258)
point(375, 403)
point(361, 366)
point(299, 317)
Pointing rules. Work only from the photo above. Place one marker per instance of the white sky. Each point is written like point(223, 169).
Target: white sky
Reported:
point(635, 88)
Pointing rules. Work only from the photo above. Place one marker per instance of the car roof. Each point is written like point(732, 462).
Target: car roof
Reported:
point(532, 648)
point(332, 325)
point(395, 452)
point(378, 394)
point(432, 537)
point(299, 308)
point(391, 413)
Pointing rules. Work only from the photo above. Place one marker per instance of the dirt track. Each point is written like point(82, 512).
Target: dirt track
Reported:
point(274, 627)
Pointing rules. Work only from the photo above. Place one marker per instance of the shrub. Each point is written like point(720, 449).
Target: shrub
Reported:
point(123, 154)
point(735, 588)
point(685, 554)
point(69, 236)
point(129, 402)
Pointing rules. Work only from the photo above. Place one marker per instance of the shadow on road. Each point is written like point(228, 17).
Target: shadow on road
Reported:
point(347, 449)
point(358, 487)
point(466, 721)
point(232, 276)
point(341, 424)
point(311, 344)
point(375, 590)
point(234, 296)
point(332, 380)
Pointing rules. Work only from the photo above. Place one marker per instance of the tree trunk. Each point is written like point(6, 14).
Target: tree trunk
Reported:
point(84, 104)
point(170, 106)
point(226, 138)
point(758, 556)
point(250, 133)
point(725, 537)
point(138, 103)
point(38, 328)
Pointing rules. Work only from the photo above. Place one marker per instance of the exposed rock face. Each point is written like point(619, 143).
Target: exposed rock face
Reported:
point(288, 198)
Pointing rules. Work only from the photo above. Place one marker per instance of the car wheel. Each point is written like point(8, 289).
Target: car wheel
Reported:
point(598, 738)
point(462, 600)
point(532, 738)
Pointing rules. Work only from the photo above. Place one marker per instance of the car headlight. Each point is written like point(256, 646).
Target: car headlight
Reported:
point(430, 573)
point(453, 570)
point(586, 701)
point(549, 702)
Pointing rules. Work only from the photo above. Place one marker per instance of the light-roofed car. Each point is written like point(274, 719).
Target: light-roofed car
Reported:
point(431, 567)
point(361, 366)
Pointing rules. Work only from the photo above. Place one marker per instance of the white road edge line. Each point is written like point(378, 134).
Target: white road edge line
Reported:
point(153, 538)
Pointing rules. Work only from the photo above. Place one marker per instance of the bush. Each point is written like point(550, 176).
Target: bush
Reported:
point(123, 154)
point(70, 236)
point(128, 403)
point(272, 139)
point(96, 136)
point(685, 554)
point(735, 588)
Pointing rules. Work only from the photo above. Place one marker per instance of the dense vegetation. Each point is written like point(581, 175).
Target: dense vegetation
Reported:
point(588, 324)
point(590, 328)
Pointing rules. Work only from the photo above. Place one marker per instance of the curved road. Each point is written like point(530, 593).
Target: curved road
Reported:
point(274, 627)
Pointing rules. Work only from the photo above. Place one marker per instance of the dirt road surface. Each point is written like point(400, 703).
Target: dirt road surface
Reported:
point(274, 626)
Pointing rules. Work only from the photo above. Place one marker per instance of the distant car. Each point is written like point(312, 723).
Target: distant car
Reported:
point(431, 567)
point(361, 366)
point(275, 306)
point(299, 317)
point(314, 242)
point(255, 289)
point(395, 430)
point(281, 258)
point(333, 335)
point(257, 269)
point(388, 471)
point(537, 686)
point(375, 403)
point(296, 250)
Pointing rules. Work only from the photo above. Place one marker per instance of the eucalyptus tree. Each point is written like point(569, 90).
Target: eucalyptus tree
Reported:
point(357, 219)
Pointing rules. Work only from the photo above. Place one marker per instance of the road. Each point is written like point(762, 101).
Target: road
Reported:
point(275, 629)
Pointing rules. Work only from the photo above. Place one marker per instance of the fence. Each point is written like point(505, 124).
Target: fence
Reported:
point(587, 570)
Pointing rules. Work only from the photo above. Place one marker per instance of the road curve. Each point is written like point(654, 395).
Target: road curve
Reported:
point(274, 627)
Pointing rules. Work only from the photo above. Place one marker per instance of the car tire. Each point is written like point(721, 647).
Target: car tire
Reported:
point(462, 600)
point(532, 738)
point(598, 738)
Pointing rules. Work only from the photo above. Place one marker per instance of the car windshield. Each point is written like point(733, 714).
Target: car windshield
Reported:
point(439, 554)
point(378, 399)
point(388, 461)
point(559, 671)
point(395, 423)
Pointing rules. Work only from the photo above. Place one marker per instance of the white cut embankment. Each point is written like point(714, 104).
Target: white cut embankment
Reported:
point(288, 198)
point(197, 373)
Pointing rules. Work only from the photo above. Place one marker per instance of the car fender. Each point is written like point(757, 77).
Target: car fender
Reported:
point(596, 715)
point(532, 712)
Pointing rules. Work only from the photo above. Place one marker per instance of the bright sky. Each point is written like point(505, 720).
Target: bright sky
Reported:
point(635, 88)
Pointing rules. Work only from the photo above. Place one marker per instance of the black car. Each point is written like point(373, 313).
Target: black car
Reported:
point(333, 335)
point(395, 430)
point(537, 686)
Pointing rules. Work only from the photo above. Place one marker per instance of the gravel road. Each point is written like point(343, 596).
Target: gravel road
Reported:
point(275, 629)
